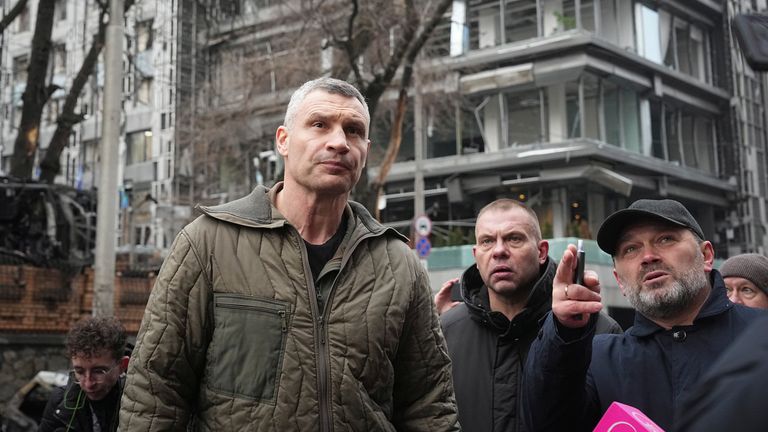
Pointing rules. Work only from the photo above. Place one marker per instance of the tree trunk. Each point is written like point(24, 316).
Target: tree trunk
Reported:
point(35, 94)
point(395, 139)
point(12, 14)
point(405, 54)
point(50, 166)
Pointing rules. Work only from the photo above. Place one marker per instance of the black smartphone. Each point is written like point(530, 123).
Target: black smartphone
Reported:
point(751, 32)
point(578, 274)
point(456, 292)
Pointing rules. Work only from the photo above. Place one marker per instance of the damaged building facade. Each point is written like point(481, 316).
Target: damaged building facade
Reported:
point(581, 107)
point(149, 215)
point(577, 107)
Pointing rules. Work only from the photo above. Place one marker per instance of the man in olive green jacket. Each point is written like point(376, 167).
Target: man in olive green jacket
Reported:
point(292, 308)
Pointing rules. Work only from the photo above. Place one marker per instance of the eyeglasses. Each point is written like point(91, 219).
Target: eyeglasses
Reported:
point(97, 374)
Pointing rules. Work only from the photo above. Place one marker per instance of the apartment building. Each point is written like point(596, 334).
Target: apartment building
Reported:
point(146, 147)
point(581, 107)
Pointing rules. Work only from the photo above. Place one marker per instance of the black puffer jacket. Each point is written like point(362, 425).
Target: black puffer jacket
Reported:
point(487, 351)
point(70, 410)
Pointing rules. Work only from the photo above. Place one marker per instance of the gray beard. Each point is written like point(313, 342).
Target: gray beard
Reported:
point(668, 302)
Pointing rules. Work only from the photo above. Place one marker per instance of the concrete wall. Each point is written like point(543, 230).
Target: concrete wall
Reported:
point(22, 356)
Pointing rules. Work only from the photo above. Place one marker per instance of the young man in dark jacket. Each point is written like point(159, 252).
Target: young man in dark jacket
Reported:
point(683, 322)
point(505, 293)
point(91, 400)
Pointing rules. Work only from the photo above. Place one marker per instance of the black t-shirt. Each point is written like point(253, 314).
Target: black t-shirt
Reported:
point(106, 409)
point(319, 255)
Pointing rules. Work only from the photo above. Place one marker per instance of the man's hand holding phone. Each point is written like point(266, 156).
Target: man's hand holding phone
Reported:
point(572, 303)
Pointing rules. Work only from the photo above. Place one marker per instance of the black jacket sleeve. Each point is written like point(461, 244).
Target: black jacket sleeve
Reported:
point(557, 393)
point(50, 422)
point(732, 394)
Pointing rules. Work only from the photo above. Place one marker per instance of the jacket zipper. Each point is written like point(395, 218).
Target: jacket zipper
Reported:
point(323, 372)
point(319, 320)
point(323, 397)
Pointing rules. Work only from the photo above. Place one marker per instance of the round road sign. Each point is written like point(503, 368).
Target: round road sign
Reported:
point(423, 247)
point(423, 225)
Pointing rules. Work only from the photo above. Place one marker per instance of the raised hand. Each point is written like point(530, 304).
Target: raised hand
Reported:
point(572, 303)
point(443, 300)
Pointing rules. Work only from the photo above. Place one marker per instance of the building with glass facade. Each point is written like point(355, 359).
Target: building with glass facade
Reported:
point(580, 107)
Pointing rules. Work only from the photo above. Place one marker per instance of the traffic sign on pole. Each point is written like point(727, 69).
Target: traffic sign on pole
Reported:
point(423, 247)
point(422, 225)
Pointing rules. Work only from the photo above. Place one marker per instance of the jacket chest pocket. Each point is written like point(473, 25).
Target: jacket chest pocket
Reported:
point(247, 347)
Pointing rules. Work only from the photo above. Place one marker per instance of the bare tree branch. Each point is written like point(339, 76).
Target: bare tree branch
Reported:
point(409, 46)
point(50, 166)
point(35, 95)
point(12, 14)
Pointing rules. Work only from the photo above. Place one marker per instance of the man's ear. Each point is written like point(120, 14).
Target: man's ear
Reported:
point(618, 281)
point(709, 255)
point(124, 364)
point(367, 152)
point(543, 251)
point(281, 140)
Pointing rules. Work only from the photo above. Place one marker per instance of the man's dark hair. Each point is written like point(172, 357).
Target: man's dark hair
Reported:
point(91, 336)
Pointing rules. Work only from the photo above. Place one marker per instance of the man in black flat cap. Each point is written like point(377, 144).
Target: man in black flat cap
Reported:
point(684, 320)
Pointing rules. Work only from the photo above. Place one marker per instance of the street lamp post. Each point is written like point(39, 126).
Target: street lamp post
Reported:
point(106, 222)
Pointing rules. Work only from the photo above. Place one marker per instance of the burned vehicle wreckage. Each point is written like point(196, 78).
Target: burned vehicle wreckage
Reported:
point(46, 225)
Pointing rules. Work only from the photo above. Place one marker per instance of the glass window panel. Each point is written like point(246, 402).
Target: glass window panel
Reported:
point(684, 62)
point(441, 131)
point(139, 146)
point(588, 15)
point(705, 143)
point(689, 143)
point(611, 113)
point(630, 116)
point(761, 173)
point(648, 42)
point(608, 23)
point(567, 19)
point(591, 85)
point(572, 109)
point(657, 145)
point(695, 56)
point(524, 113)
point(471, 135)
point(673, 131)
point(520, 20)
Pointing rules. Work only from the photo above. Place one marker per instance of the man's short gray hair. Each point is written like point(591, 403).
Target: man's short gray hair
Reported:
point(326, 84)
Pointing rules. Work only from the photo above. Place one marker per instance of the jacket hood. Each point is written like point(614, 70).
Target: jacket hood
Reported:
point(539, 301)
point(716, 303)
point(256, 210)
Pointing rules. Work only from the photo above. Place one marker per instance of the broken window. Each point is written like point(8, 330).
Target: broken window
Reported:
point(144, 35)
point(524, 114)
point(520, 20)
point(59, 54)
point(139, 147)
point(20, 66)
point(61, 10)
point(144, 94)
point(685, 47)
point(22, 20)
